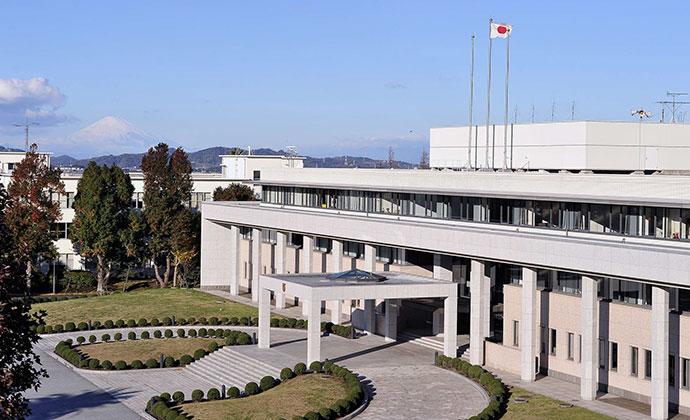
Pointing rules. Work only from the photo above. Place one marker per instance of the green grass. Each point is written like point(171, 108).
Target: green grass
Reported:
point(541, 407)
point(146, 303)
point(143, 350)
point(294, 397)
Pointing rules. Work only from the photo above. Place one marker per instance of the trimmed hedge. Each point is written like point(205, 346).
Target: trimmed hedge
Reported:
point(496, 389)
point(162, 408)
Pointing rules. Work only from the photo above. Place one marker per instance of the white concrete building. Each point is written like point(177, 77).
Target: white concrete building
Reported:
point(244, 169)
point(580, 276)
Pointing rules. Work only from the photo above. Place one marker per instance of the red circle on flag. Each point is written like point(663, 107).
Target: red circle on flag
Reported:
point(501, 29)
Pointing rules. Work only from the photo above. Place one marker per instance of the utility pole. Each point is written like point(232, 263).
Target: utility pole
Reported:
point(572, 111)
point(26, 126)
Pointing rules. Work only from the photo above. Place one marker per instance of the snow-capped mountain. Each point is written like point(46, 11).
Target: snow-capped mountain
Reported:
point(110, 135)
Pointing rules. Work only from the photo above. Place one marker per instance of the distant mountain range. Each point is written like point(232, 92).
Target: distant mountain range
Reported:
point(9, 149)
point(208, 160)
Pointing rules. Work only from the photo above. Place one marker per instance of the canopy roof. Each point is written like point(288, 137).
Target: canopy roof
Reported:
point(356, 276)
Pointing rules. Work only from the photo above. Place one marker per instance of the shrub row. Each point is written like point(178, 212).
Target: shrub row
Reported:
point(235, 337)
point(497, 390)
point(166, 407)
point(72, 354)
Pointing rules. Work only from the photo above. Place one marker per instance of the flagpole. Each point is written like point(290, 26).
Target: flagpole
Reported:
point(505, 118)
point(488, 102)
point(469, 133)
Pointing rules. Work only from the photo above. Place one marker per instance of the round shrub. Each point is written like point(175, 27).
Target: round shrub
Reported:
point(96, 325)
point(82, 326)
point(326, 414)
point(167, 321)
point(315, 366)
point(300, 368)
point(105, 338)
point(181, 332)
point(152, 363)
point(203, 332)
point(192, 332)
point(251, 388)
point(202, 321)
point(234, 321)
point(212, 346)
point(244, 321)
point(165, 396)
point(155, 322)
point(191, 320)
point(213, 320)
point(168, 334)
point(224, 320)
point(291, 322)
point(69, 327)
point(94, 363)
point(131, 323)
point(186, 359)
point(267, 382)
point(197, 395)
point(121, 365)
point(106, 365)
point(40, 329)
point(142, 322)
point(83, 363)
point(58, 328)
point(69, 342)
point(118, 336)
point(169, 361)
point(158, 334)
point(233, 392)
point(181, 321)
point(120, 323)
point(244, 339)
point(81, 340)
point(211, 332)
point(137, 364)
point(145, 335)
point(178, 396)
point(199, 353)
point(213, 394)
point(230, 341)
point(131, 335)
point(109, 323)
point(286, 373)
point(255, 321)
point(92, 339)
point(48, 329)
point(312, 416)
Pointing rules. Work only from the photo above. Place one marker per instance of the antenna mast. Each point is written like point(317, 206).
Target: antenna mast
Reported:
point(673, 105)
point(26, 126)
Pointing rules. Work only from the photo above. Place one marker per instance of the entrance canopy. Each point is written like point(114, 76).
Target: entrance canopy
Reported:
point(313, 288)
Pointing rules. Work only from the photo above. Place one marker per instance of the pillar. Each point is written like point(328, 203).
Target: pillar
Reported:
point(337, 311)
point(256, 263)
point(264, 319)
point(217, 262)
point(369, 257)
point(450, 326)
point(589, 376)
point(660, 350)
point(480, 312)
point(281, 248)
point(234, 260)
point(313, 331)
point(392, 309)
point(307, 250)
point(528, 325)
point(442, 271)
point(370, 315)
point(336, 267)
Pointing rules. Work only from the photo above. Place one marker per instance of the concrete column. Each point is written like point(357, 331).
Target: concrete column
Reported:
point(256, 263)
point(450, 326)
point(528, 325)
point(307, 250)
point(336, 267)
point(234, 260)
point(441, 271)
point(281, 249)
point(392, 309)
point(370, 315)
point(589, 375)
point(660, 350)
point(217, 261)
point(314, 331)
point(337, 311)
point(480, 312)
point(369, 257)
point(264, 319)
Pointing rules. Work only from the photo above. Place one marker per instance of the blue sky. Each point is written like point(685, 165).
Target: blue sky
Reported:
point(330, 77)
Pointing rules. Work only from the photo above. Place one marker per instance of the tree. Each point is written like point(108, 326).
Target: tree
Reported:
point(424, 160)
point(101, 213)
point(183, 242)
point(18, 362)
point(234, 192)
point(167, 187)
point(31, 210)
point(133, 240)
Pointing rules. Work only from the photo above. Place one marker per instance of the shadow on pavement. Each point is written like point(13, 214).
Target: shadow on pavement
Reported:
point(56, 405)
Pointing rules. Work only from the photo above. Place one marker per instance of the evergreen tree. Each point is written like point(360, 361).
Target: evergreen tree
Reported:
point(133, 240)
point(101, 213)
point(234, 192)
point(19, 369)
point(167, 188)
point(184, 242)
point(31, 210)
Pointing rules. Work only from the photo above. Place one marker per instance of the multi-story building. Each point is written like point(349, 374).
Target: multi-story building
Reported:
point(580, 274)
point(244, 169)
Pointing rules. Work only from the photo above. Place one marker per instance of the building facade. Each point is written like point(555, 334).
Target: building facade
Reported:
point(581, 276)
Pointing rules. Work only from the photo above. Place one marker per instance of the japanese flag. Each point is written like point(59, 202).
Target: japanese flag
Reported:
point(500, 30)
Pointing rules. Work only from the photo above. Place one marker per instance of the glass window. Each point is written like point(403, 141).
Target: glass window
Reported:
point(516, 333)
point(322, 244)
point(353, 249)
point(614, 356)
point(269, 236)
point(571, 346)
point(552, 348)
point(634, 360)
point(579, 348)
point(685, 373)
point(647, 364)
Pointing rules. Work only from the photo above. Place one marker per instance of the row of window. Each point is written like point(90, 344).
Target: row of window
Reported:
point(608, 355)
point(669, 223)
point(66, 200)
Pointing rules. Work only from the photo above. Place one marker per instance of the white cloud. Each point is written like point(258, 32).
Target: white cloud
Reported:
point(34, 99)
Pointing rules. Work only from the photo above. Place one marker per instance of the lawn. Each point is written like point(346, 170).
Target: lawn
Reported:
point(143, 350)
point(541, 407)
point(146, 303)
point(294, 397)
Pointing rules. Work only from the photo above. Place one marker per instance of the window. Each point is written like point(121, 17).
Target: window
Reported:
point(614, 356)
point(685, 373)
point(552, 348)
point(257, 175)
point(270, 236)
point(648, 364)
point(579, 348)
point(353, 249)
point(671, 370)
point(294, 239)
point(634, 355)
point(322, 244)
point(571, 346)
point(10, 166)
point(516, 333)
point(245, 232)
